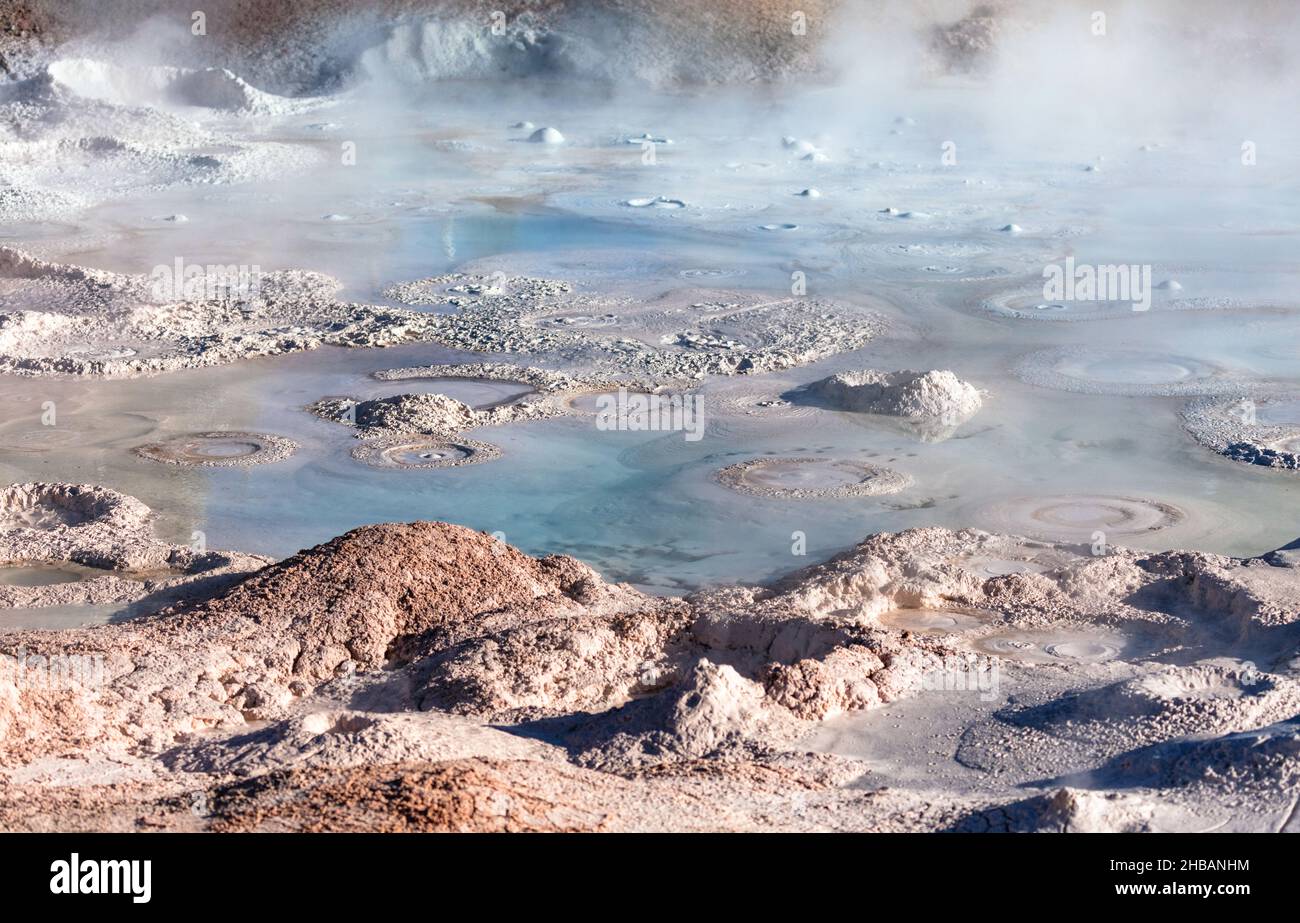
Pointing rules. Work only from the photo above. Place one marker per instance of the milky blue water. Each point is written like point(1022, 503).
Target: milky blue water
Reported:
point(645, 507)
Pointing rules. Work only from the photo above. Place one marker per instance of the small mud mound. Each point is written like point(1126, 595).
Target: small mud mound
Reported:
point(401, 413)
point(222, 449)
point(899, 394)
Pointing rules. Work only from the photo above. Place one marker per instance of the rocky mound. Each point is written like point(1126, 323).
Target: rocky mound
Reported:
point(398, 658)
point(349, 601)
point(252, 651)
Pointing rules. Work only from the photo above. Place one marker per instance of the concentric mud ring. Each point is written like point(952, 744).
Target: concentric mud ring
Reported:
point(219, 449)
point(417, 452)
point(811, 478)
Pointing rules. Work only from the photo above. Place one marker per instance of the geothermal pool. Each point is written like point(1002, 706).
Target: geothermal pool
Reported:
point(922, 381)
point(1080, 431)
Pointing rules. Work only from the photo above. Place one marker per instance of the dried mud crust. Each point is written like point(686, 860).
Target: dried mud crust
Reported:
point(769, 335)
point(425, 430)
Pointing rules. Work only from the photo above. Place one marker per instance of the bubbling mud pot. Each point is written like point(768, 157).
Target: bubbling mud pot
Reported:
point(800, 239)
point(30, 436)
point(1032, 306)
point(1048, 646)
point(36, 439)
point(811, 479)
point(1078, 517)
point(1000, 565)
point(409, 452)
point(938, 621)
point(221, 449)
point(1091, 370)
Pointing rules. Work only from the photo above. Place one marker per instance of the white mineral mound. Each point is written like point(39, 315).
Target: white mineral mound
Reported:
point(209, 88)
point(901, 394)
point(546, 136)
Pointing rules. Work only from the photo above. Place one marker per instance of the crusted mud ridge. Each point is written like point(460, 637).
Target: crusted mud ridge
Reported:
point(424, 676)
point(427, 430)
point(60, 319)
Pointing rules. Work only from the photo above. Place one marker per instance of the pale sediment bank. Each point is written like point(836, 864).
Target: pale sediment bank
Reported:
point(1260, 429)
